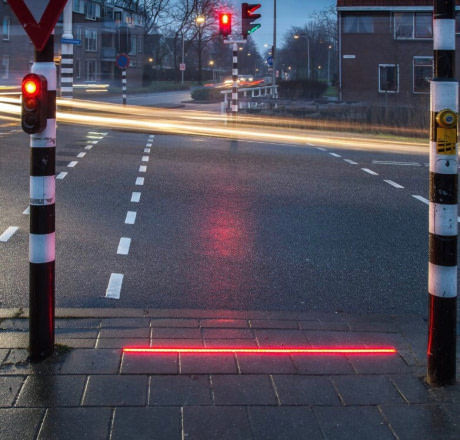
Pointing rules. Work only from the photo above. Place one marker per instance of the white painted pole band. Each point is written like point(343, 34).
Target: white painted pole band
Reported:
point(443, 219)
point(42, 190)
point(42, 248)
point(442, 280)
point(444, 95)
point(444, 34)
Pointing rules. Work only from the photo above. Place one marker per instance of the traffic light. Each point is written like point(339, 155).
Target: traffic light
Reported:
point(247, 18)
point(34, 103)
point(225, 24)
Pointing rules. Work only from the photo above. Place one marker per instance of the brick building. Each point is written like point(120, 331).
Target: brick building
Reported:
point(103, 28)
point(386, 50)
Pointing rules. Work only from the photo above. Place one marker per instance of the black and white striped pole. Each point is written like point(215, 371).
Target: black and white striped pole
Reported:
point(123, 85)
point(235, 81)
point(39, 119)
point(443, 211)
point(67, 54)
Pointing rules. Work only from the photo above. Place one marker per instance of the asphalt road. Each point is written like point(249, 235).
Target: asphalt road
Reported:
point(222, 225)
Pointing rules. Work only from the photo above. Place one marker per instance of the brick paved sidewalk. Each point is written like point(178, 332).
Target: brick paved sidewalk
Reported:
point(90, 390)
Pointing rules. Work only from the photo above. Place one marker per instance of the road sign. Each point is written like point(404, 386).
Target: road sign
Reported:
point(122, 61)
point(270, 61)
point(70, 41)
point(41, 31)
point(182, 67)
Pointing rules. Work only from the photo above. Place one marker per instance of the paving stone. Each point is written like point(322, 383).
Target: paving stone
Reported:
point(352, 423)
point(125, 322)
point(243, 390)
point(174, 323)
point(122, 342)
point(225, 323)
point(76, 343)
point(15, 324)
point(308, 364)
point(3, 354)
point(77, 323)
point(413, 389)
point(267, 363)
point(75, 424)
point(51, 391)
point(305, 390)
point(227, 333)
point(14, 339)
point(273, 324)
point(392, 364)
point(74, 333)
point(367, 390)
point(320, 325)
point(19, 423)
point(149, 364)
point(207, 363)
point(180, 390)
point(280, 338)
point(9, 387)
point(141, 332)
point(228, 343)
point(272, 423)
point(147, 423)
point(447, 394)
point(179, 332)
point(212, 423)
point(176, 342)
point(87, 361)
point(422, 422)
point(108, 390)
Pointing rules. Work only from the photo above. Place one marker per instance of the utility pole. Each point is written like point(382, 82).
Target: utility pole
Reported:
point(67, 54)
point(235, 81)
point(183, 59)
point(443, 210)
point(42, 239)
point(274, 54)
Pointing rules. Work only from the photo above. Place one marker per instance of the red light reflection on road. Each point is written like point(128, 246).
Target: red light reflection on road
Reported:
point(288, 351)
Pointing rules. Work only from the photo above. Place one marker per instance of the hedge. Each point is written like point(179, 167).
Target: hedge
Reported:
point(298, 89)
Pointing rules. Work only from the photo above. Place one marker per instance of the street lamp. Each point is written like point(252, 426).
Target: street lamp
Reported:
point(200, 20)
point(211, 63)
point(307, 40)
point(329, 64)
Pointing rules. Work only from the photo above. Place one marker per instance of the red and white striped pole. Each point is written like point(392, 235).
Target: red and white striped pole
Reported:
point(123, 85)
point(443, 211)
point(235, 81)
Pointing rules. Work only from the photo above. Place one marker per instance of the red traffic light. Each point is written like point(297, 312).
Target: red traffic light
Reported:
point(31, 86)
point(225, 24)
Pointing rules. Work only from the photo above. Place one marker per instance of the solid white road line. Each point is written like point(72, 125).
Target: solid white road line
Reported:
point(9, 232)
point(421, 199)
point(335, 154)
point(139, 181)
point(27, 211)
point(321, 149)
point(145, 158)
point(367, 170)
point(148, 145)
point(88, 147)
point(135, 197)
point(82, 154)
point(394, 184)
point(62, 175)
point(114, 287)
point(123, 246)
point(72, 164)
point(130, 217)
point(142, 169)
point(351, 162)
point(389, 162)
point(147, 150)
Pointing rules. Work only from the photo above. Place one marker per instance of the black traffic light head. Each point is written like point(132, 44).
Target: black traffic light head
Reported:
point(225, 24)
point(247, 18)
point(34, 103)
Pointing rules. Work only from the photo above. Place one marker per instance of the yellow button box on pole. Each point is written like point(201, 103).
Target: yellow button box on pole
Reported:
point(446, 132)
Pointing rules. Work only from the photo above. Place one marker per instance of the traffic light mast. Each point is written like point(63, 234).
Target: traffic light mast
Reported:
point(248, 17)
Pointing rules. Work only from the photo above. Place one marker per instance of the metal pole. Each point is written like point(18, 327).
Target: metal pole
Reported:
point(443, 211)
point(123, 85)
point(183, 57)
point(235, 81)
point(42, 247)
point(67, 54)
point(308, 54)
point(274, 49)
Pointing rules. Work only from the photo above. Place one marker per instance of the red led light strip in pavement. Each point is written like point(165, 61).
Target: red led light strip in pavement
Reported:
point(311, 351)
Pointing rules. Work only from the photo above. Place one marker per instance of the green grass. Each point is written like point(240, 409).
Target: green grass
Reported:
point(331, 92)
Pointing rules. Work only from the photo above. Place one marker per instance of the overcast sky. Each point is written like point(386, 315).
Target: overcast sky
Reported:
point(289, 13)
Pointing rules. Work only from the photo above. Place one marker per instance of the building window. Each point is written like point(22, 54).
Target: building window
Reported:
point(140, 44)
point(93, 11)
point(358, 24)
point(423, 72)
point(79, 6)
point(76, 68)
point(133, 46)
point(410, 26)
point(388, 78)
point(6, 28)
point(5, 67)
point(91, 70)
point(457, 23)
point(90, 40)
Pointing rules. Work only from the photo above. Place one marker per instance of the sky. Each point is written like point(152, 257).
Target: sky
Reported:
point(289, 13)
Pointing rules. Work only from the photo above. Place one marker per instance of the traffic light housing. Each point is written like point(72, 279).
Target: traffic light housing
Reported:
point(248, 17)
point(225, 24)
point(34, 103)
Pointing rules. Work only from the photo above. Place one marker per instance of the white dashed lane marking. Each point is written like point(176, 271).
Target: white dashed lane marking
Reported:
point(114, 287)
point(351, 162)
point(394, 184)
point(145, 158)
point(335, 154)
point(61, 175)
point(9, 232)
point(139, 181)
point(421, 199)
point(26, 211)
point(80, 155)
point(367, 170)
point(130, 217)
point(142, 169)
point(88, 147)
point(123, 246)
point(72, 164)
point(147, 150)
point(135, 197)
point(389, 162)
